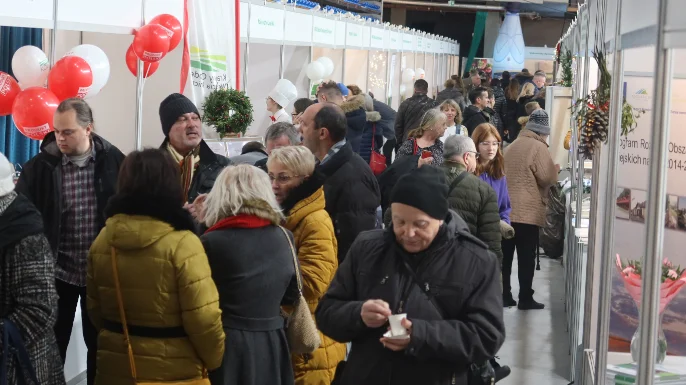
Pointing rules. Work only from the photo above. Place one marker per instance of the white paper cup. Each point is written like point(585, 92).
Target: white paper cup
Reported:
point(396, 328)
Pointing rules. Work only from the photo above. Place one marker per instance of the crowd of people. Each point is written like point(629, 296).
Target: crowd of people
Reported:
point(190, 266)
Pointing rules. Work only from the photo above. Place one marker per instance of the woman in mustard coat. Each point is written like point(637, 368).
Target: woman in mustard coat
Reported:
point(170, 301)
point(298, 188)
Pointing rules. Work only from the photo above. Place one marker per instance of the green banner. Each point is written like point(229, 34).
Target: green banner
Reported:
point(479, 28)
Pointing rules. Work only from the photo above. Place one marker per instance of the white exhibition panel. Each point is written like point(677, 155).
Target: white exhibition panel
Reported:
point(408, 42)
point(396, 40)
point(353, 36)
point(244, 26)
point(675, 37)
point(266, 23)
point(27, 13)
point(341, 27)
point(323, 32)
point(355, 71)
point(298, 28)
point(377, 38)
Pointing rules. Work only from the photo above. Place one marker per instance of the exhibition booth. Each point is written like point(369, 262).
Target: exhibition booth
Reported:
point(625, 235)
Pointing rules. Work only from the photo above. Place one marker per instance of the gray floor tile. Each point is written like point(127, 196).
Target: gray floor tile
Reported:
point(536, 346)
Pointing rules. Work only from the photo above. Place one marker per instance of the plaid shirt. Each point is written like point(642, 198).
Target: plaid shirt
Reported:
point(79, 220)
point(334, 150)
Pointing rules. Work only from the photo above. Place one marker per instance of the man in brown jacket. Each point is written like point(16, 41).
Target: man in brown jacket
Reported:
point(530, 173)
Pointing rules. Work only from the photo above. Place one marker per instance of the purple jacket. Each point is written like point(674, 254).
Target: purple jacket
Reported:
point(500, 187)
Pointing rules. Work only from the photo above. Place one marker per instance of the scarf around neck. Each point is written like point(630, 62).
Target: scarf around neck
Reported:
point(241, 221)
point(188, 164)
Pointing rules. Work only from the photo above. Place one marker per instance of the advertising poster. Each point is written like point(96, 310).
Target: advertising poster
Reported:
point(630, 212)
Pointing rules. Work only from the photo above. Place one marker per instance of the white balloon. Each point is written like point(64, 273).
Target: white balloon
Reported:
point(315, 71)
point(99, 63)
point(420, 73)
point(328, 65)
point(408, 75)
point(30, 66)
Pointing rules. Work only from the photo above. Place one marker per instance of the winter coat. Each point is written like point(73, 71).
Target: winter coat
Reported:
point(476, 202)
point(464, 326)
point(357, 119)
point(523, 79)
point(500, 106)
point(352, 196)
point(166, 287)
point(452, 94)
point(408, 148)
point(372, 126)
point(530, 173)
point(494, 119)
point(206, 172)
point(392, 174)
point(249, 157)
point(521, 105)
point(254, 272)
point(410, 114)
point(27, 288)
point(473, 116)
point(316, 244)
point(510, 123)
point(41, 182)
point(387, 122)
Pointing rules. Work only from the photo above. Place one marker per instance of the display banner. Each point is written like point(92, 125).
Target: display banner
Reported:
point(341, 27)
point(396, 40)
point(353, 37)
point(408, 42)
point(630, 212)
point(323, 31)
point(265, 22)
point(377, 38)
point(298, 28)
point(212, 50)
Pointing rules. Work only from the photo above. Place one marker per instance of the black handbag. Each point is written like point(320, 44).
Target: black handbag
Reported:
point(478, 373)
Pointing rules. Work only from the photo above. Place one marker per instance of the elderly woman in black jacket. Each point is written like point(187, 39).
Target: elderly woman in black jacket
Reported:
point(253, 268)
point(450, 307)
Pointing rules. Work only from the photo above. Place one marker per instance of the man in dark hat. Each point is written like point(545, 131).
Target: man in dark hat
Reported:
point(426, 273)
point(182, 128)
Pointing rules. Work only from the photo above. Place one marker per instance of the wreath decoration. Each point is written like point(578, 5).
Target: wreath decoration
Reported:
point(228, 111)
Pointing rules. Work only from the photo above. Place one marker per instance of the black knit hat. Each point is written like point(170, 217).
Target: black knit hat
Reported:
point(425, 189)
point(172, 107)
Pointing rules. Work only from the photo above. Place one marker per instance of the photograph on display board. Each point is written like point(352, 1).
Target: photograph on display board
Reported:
point(638, 210)
point(623, 203)
point(629, 235)
point(672, 212)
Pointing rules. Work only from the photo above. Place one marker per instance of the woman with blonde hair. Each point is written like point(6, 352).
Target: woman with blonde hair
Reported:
point(525, 96)
point(300, 192)
point(454, 118)
point(252, 266)
point(425, 140)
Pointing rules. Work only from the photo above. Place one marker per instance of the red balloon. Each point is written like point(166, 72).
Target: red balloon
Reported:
point(173, 25)
point(132, 63)
point(71, 77)
point(33, 111)
point(9, 89)
point(151, 43)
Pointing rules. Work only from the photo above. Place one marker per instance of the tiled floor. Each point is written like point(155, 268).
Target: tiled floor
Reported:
point(536, 345)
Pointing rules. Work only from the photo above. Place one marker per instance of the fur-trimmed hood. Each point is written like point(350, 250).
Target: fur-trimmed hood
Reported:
point(139, 221)
point(354, 103)
point(373, 116)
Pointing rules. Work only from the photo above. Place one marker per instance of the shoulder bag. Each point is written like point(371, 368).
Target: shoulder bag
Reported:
point(132, 364)
point(478, 373)
point(11, 340)
point(457, 181)
point(377, 161)
point(301, 331)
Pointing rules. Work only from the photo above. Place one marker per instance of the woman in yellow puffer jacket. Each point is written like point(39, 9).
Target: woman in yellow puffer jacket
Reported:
point(170, 301)
point(298, 188)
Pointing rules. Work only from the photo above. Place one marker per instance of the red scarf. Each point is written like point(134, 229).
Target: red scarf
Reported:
point(272, 118)
point(241, 221)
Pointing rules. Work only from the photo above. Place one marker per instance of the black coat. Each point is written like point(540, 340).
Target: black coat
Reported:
point(352, 196)
point(410, 115)
point(387, 122)
point(401, 166)
point(356, 118)
point(473, 116)
point(211, 164)
point(41, 182)
point(254, 273)
point(453, 94)
point(510, 123)
point(461, 274)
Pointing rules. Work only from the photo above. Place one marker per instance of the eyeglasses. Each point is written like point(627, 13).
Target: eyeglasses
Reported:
point(476, 154)
point(489, 143)
point(281, 179)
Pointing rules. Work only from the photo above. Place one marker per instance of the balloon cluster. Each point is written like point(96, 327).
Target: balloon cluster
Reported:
point(81, 73)
point(408, 77)
point(152, 42)
point(320, 69)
